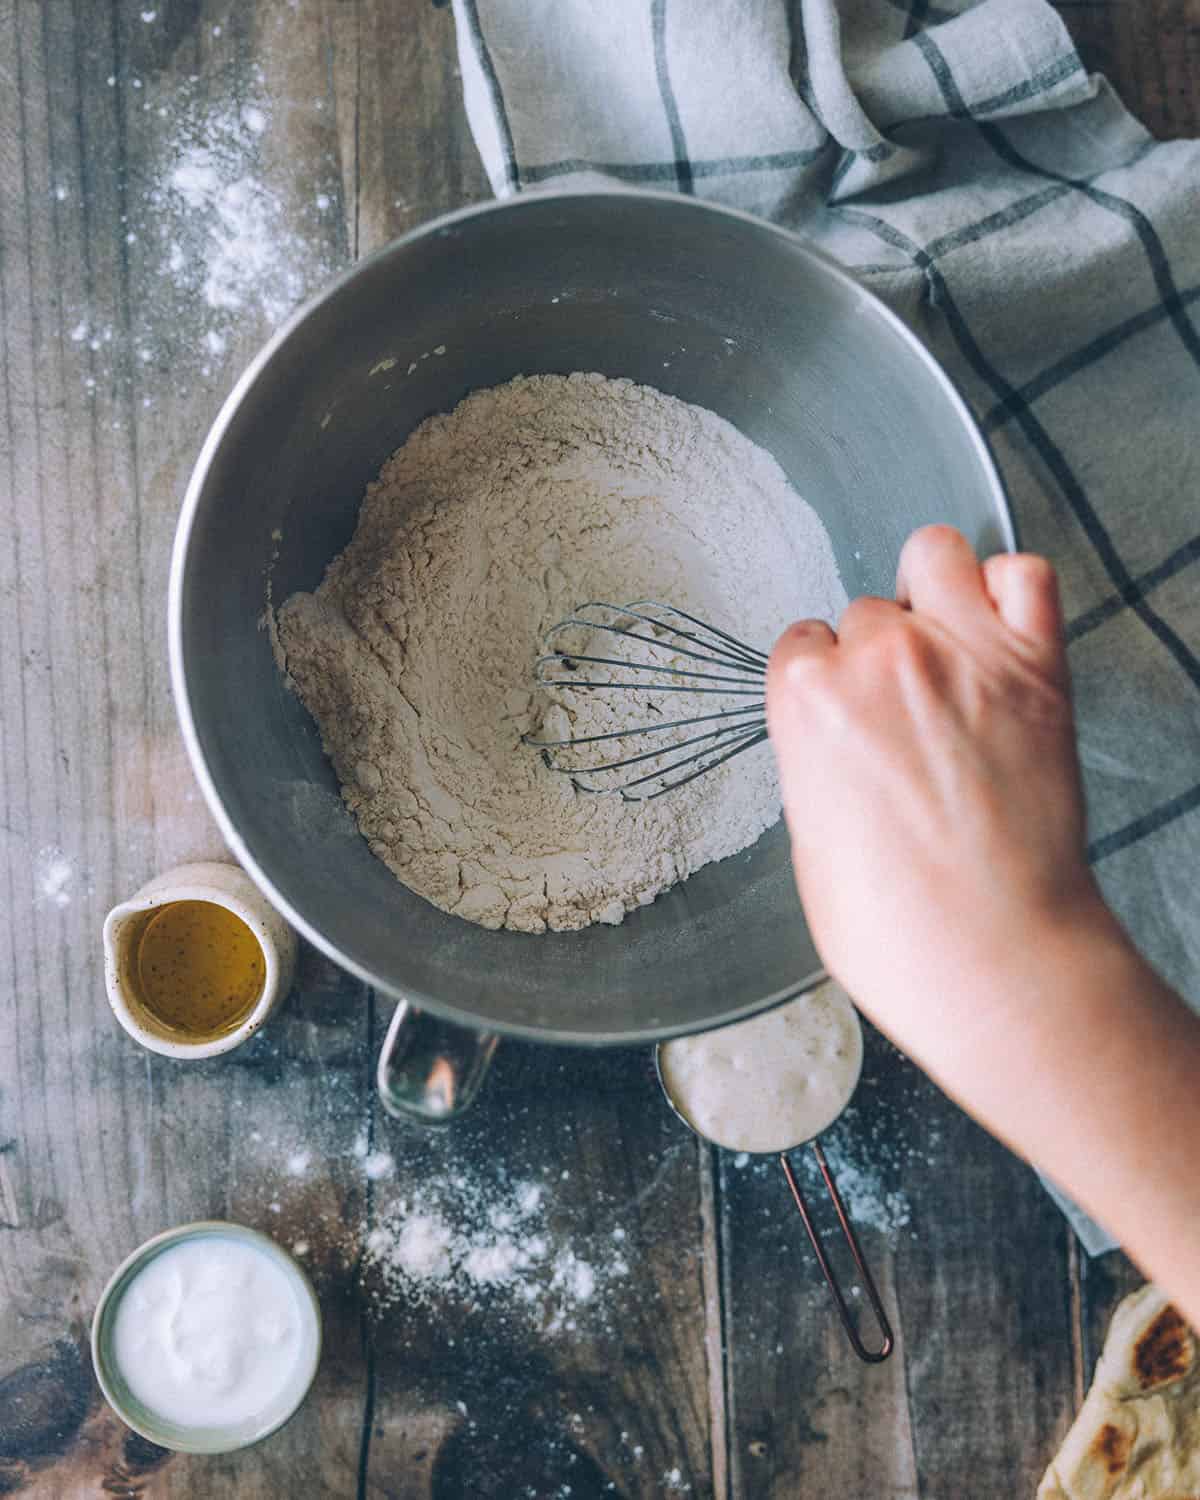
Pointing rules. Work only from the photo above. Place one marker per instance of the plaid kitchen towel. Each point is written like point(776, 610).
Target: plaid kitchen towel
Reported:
point(960, 161)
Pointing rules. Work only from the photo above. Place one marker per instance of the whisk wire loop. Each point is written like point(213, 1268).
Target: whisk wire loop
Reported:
point(730, 648)
point(626, 788)
point(755, 709)
point(750, 652)
point(737, 728)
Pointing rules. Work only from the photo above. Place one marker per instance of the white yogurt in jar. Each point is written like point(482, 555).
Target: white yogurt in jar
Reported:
point(772, 1082)
point(212, 1333)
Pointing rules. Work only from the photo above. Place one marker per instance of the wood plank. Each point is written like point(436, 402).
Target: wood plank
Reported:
point(1150, 51)
point(110, 383)
point(416, 155)
point(623, 1399)
point(530, 1386)
point(991, 1391)
point(805, 1414)
point(363, 135)
point(971, 1259)
point(639, 1368)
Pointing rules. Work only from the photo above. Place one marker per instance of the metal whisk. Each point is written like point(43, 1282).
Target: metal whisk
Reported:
point(686, 647)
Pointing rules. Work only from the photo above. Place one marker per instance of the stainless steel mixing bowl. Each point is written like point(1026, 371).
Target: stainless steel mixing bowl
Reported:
point(703, 303)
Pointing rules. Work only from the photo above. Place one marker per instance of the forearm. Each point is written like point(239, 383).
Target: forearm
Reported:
point(1078, 1055)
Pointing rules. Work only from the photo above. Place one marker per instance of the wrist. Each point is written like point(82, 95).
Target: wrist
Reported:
point(992, 1005)
point(1063, 1030)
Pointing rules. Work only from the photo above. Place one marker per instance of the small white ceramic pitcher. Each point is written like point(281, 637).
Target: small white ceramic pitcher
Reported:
point(222, 885)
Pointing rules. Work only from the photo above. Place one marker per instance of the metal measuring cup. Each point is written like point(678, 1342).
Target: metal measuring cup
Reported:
point(870, 1356)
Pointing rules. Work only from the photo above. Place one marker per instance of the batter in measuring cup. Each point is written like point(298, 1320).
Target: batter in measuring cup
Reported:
point(772, 1082)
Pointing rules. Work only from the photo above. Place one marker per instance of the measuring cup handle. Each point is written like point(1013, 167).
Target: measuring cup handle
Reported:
point(431, 1070)
point(871, 1356)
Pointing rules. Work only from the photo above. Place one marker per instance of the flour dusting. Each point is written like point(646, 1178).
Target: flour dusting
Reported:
point(883, 1140)
point(378, 1164)
point(415, 655)
point(54, 876)
point(225, 233)
point(471, 1238)
point(220, 241)
point(870, 1201)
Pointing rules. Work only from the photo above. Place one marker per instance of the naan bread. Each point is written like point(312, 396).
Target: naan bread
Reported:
point(1137, 1436)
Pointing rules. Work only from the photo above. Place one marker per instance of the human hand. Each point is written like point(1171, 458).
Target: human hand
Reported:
point(932, 791)
point(931, 787)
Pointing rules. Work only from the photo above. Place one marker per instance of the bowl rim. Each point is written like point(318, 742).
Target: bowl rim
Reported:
point(524, 202)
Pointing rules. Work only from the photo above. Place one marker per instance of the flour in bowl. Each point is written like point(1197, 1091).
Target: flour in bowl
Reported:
point(415, 655)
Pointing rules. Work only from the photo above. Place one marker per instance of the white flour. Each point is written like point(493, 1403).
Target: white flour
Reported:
point(415, 654)
point(463, 1237)
point(55, 873)
point(231, 241)
point(221, 242)
point(225, 231)
point(873, 1150)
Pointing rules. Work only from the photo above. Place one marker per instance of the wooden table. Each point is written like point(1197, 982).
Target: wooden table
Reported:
point(712, 1365)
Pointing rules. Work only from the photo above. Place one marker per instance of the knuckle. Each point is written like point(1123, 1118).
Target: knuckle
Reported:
point(903, 648)
point(805, 633)
point(879, 654)
point(790, 671)
point(864, 608)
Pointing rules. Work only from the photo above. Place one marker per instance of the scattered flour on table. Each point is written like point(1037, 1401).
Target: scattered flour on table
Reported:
point(870, 1202)
point(880, 1143)
point(378, 1164)
point(866, 1179)
point(222, 241)
point(442, 1230)
point(225, 233)
point(53, 876)
point(495, 1241)
point(463, 1235)
point(415, 654)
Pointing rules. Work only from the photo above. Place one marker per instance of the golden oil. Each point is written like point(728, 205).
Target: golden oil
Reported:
point(200, 969)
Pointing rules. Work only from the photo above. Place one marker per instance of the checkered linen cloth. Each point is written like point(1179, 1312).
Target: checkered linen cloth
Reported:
point(960, 161)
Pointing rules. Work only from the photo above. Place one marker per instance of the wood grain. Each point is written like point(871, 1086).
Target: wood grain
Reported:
point(971, 1260)
point(109, 1145)
point(480, 1393)
point(107, 395)
point(1149, 50)
point(717, 1363)
point(416, 155)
